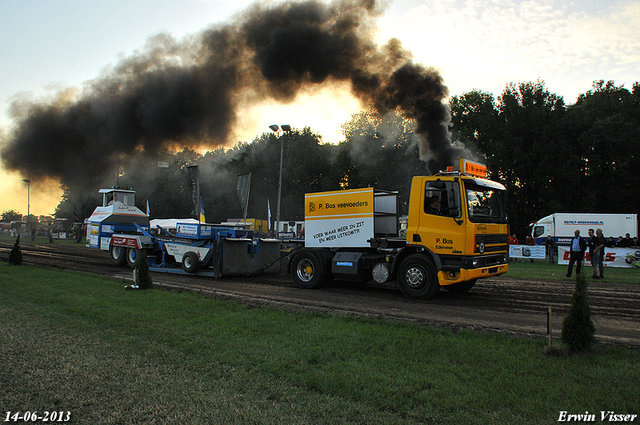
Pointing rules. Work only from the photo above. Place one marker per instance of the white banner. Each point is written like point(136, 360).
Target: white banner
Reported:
point(613, 257)
point(348, 232)
point(527, 251)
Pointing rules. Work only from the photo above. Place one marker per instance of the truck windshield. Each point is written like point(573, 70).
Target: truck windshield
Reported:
point(486, 205)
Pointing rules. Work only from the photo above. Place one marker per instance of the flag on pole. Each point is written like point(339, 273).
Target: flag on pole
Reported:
point(202, 219)
point(244, 186)
point(148, 210)
point(194, 180)
point(268, 215)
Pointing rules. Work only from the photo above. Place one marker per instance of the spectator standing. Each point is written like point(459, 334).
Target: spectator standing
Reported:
point(530, 241)
point(513, 241)
point(550, 246)
point(578, 247)
point(592, 243)
point(600, 251)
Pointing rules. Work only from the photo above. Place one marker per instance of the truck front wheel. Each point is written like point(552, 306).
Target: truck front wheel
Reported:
point(118, 255)
point(306, 270)
point(417, 277)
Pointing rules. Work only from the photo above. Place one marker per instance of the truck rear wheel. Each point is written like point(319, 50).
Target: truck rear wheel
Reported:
point(417, 277)
point(133, 257)
point(306, 270)
point(118, 255)
point(460, 287)
point(190, 262)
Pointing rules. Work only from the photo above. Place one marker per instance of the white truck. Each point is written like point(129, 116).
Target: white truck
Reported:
point(561, 226)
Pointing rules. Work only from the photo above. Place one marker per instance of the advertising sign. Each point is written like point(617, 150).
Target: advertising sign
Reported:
point(178, 250)
point(613, 257)
point(131, 242)
point(187, 229)
point(105, 243)
point(339, 219)
point(536, 252)
point(93, 230)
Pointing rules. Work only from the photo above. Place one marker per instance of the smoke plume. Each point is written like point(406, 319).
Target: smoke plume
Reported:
point(187, 92)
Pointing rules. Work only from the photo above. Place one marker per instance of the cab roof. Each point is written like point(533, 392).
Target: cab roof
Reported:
point(116, 189)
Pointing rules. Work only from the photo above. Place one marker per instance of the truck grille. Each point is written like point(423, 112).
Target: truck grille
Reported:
point(491, 243)
point(492, 239)
point(495, 248)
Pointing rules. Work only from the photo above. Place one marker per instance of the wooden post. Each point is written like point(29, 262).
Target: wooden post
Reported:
point(549, 325)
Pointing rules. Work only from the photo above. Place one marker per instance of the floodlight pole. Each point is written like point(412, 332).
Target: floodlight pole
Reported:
point(276, 129)
point(279, 188)
point(28, 182)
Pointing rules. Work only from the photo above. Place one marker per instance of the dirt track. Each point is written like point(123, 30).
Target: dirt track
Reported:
point(503, 304)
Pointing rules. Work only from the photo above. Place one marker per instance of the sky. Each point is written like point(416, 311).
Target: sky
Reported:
point(51, 46)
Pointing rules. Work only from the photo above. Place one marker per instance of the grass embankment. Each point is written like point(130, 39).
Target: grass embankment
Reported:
point(540, 269)
point(39, 240)
point(80, 343)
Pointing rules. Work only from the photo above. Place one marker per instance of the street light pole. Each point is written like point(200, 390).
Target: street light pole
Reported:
point(279, 188)
point(28, 182)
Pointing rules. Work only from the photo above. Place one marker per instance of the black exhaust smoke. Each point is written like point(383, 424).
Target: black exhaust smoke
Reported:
point(186, 93)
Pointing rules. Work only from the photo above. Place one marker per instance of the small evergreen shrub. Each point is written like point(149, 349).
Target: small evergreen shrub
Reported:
point(578, 331)
point(15, 257)
point(144, 275)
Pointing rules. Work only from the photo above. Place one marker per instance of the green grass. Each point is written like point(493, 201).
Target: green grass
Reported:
point(540, 269)
point(5, 237)
point(81, 343)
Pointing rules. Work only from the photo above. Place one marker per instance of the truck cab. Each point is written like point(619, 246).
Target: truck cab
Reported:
point(458, 221)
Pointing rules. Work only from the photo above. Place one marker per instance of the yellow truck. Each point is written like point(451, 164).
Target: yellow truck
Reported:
point(456, 233)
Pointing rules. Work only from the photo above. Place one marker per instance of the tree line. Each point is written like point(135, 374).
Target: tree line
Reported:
point(368, 157)
point(552, 157)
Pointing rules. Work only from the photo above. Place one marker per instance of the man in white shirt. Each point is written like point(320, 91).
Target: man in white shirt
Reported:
point(578, 247)
point(115, 200)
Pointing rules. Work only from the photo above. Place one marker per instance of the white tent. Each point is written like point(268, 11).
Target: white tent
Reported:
point(170, 223)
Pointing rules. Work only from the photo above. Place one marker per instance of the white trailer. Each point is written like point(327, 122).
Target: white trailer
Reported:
point(561, 226)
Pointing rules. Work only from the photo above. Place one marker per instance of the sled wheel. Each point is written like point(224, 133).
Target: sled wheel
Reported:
point(118, 255)
point(190, 262)
point(133, 257)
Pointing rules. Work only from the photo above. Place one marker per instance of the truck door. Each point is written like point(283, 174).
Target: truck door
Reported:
point(442, 228)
